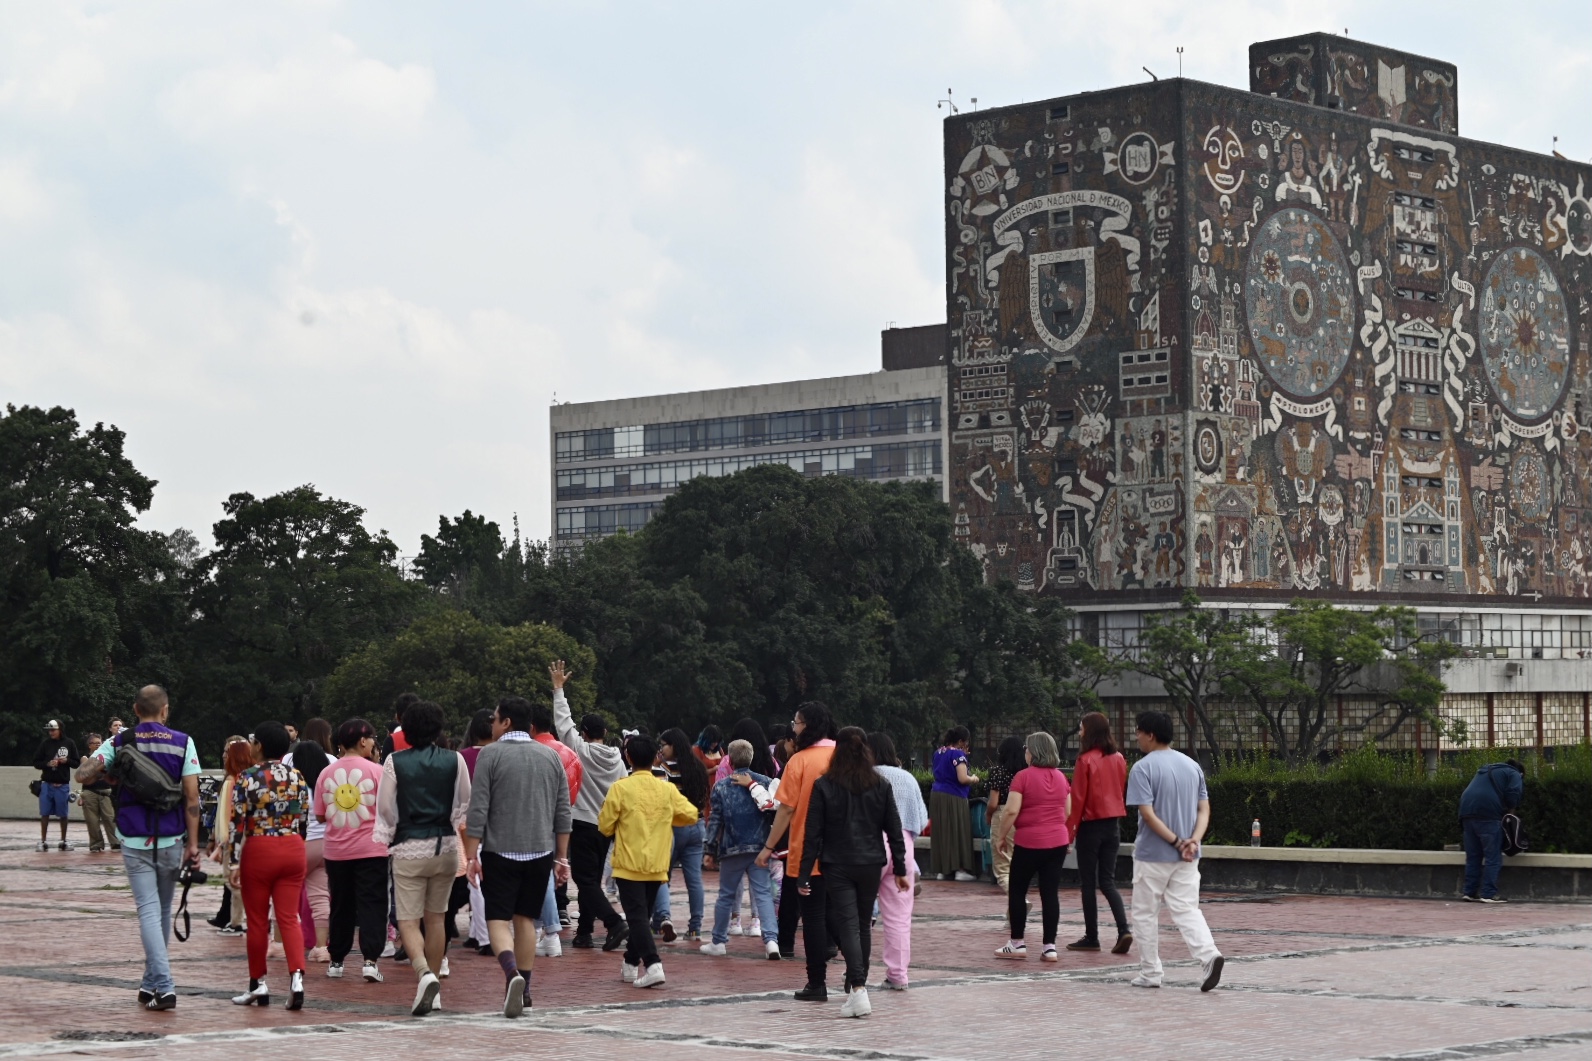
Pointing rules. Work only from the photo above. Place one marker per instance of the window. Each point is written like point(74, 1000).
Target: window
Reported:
point(1059, 168)
point(897, 460)
point(1060, 113)
point(1061, 218)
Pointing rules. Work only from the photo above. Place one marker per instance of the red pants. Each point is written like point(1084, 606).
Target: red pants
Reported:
point(272, 872)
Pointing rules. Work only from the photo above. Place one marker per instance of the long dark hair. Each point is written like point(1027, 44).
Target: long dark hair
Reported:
point(1010, 755)
point(309, 759)
point(748, 730)
point(692, 777)
point(852, 765)
point(1097, 734)
point(883, 748)
point(817, 724)
point(318, 730)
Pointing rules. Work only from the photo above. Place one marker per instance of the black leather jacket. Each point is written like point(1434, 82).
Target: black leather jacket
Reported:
point(850, 830)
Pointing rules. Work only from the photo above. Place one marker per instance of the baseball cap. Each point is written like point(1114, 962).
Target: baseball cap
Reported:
point(52, 724)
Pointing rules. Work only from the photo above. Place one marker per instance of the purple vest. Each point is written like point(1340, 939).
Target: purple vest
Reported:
point(169, 748)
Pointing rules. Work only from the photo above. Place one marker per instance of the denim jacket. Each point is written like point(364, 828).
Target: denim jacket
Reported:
point(735, 825)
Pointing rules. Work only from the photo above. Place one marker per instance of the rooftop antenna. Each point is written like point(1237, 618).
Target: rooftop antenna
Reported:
point(1147, 70)
point(947, 102)
point(975, 101)
point(1180, 62)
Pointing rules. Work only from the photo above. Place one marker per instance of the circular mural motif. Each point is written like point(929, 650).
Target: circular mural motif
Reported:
point(1528, 485)
point(1301, 305)
point(1525, 332)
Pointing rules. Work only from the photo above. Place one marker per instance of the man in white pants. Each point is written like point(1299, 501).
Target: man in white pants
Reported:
point(1174, 810)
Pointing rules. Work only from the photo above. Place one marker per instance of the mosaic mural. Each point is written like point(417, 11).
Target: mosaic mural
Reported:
point(1211, 338)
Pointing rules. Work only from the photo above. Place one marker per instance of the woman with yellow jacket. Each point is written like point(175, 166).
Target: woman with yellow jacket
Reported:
point(640, 813)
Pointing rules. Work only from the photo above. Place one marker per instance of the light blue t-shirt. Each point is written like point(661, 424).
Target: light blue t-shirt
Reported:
point(1172, 785)
point(106, 753)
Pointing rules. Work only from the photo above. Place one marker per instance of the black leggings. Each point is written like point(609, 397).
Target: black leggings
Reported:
point(358, 889)
point(636, 898)
point(852, 890)
point(1096, 843)
point(1026, 862)
point(790, 912)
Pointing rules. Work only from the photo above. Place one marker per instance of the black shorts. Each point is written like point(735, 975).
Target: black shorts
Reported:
point(514, 889)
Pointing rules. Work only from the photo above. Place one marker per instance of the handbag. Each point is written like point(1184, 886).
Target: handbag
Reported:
point(1514, 835)
point(36, 786)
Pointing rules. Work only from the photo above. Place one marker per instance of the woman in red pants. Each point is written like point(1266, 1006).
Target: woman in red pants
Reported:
point(269, 803)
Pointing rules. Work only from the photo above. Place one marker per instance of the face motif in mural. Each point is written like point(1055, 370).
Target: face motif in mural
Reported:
point(1525, 332)
point(1301, 304)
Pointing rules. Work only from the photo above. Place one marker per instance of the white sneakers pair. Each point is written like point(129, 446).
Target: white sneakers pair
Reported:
point(636, 977)
point(753, 928)
point(856, 1004)
point(549, 945)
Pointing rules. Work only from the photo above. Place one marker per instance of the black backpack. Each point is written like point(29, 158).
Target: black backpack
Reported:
point(1514, 835)
point(143, 779)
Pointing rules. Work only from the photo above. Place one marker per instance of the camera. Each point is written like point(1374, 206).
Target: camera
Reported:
point(192, 874)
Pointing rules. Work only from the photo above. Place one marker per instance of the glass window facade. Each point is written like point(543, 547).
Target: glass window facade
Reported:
point(582, 523)
point(896, 460)
point(878, 420)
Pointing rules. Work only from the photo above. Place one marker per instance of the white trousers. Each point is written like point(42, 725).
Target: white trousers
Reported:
point(1176, 884)
point(477, 914)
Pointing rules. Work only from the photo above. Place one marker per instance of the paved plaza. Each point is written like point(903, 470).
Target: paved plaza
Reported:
point(1306, 978)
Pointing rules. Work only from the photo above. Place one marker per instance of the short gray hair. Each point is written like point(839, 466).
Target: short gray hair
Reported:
point(1042, 749)
point(740, 753)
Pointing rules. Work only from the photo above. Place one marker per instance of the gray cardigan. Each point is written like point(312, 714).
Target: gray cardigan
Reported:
point(604, 765)
point(519, 799)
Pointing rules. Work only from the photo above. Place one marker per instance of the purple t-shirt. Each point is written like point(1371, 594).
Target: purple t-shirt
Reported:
point(945, 762)
point(1042, 819)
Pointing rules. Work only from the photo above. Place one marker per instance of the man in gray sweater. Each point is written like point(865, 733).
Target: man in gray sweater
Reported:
point(516, 838)
point(588, 848)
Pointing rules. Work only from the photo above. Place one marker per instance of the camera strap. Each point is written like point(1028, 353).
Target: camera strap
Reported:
point(182, 912)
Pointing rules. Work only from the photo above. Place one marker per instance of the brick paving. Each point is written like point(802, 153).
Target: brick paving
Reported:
point(1307, 978)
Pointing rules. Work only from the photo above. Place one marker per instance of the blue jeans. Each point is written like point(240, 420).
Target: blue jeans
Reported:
point(688, 855)
point(731, 869)
point(1484, 855)
point(153, 878)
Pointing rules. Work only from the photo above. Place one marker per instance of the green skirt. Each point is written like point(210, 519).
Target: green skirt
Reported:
point(951, 838)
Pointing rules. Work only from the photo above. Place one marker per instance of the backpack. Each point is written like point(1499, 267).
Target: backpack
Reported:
point(1514, 835)
point(144, 780)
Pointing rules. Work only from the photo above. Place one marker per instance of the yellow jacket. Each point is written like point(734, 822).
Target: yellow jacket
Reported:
point(640, 813)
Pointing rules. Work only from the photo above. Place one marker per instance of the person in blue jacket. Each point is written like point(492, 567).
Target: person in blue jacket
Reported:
point(1493, 792)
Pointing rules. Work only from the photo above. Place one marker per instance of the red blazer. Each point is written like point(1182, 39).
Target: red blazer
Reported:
point(1099, 783)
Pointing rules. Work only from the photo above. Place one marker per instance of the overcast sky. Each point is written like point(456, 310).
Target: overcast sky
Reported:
point(362, 245)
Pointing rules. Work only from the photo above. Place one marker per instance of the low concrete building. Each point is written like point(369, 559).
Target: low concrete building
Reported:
point(615, 462)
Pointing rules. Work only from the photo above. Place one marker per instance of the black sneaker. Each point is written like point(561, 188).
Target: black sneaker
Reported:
point(582, 941)
point(617, 936)
point(1084, 944)
point(813, 993)
point(1469, 899)
point(145, 997)
point(162, 1002)
point(666, 932)
point(485, 951)
point(787, 955)
point(1493, 900)
point(469, 943)
point(563, 919)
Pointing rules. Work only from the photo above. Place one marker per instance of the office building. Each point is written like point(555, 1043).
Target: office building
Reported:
point(614, 462)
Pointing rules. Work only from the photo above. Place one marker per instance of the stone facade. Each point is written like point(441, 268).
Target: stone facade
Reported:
point(1263, 347)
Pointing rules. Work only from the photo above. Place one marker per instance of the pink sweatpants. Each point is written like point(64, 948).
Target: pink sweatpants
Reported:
point(895, 915)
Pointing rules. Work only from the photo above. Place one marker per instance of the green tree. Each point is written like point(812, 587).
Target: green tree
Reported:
point(1311, 652)
point(88, 602)
point(1194, 652)
point(295, 583)
point(461, 663)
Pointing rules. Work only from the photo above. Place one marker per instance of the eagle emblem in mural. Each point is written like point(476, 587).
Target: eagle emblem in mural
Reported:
point(1301, 303)
point(1525, 332)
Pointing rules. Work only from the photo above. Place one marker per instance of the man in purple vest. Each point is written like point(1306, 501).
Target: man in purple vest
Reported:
point(155, 844)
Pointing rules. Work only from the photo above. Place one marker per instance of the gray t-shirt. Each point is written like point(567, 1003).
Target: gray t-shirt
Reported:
point(1172, 785)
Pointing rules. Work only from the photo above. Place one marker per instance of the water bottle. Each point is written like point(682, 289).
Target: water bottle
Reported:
point(1254, 833)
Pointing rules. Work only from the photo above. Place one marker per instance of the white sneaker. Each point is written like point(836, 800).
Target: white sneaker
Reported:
point(856, 1004)
point(964, 875)
point(42, 845)
point(628, 972)
point(1144, 981)
point(514, 997)
point(443, 972)
point(755, 928)
point(735, 925)
point(771, 948)
point(389, 950)
point(371, 974)
point(549, 946)
point(1012, 950)
point(718, 950)
point(334, 971)
point(652, 977)
point(425, 995)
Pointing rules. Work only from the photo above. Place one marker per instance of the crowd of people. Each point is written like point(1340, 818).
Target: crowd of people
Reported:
point(386, 835)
